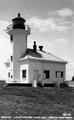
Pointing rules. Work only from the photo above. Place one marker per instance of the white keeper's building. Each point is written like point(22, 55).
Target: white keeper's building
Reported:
point(28, 65)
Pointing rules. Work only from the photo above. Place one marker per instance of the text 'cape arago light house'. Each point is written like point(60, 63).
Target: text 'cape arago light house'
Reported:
point(18, 32)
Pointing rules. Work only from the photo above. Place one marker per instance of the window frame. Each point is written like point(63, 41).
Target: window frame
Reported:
point(47, 74)
point(61, 74)
point(11, 58)
point(8, 74)
point(11, 38)
point(11, 76)
point(24, 73)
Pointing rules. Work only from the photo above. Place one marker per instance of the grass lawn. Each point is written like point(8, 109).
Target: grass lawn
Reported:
point(28, 101)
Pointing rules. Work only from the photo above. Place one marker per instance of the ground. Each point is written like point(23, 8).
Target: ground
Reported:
point(28, 101)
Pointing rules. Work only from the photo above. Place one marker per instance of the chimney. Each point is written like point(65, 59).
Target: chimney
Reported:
point(40, 48)
point(34, 46)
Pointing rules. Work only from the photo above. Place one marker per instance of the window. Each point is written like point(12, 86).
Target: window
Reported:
point(8, 74)
point(62, 74)
point(11, 58)
point(23, 73)
point(59, 74)
point(11, 76)
point(47, 74)
point(11, 38)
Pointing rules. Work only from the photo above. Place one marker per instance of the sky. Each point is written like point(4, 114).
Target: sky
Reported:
point(51, 23)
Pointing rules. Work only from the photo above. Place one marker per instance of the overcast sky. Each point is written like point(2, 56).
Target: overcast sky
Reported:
point(52, 25)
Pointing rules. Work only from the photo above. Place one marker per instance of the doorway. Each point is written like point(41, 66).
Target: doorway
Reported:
point(35, 78)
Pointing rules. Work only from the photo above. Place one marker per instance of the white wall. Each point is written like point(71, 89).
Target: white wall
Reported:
point(41, 66)
point(33, 66)
point(24, 67)
point(8, 80)
point(9, 70)
point(53, 67)
point(19, 48)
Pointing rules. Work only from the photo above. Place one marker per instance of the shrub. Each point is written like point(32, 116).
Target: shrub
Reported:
point(63, 85)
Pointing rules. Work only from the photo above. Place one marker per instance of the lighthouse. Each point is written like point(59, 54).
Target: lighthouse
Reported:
point(31, 66)
point(18, 32)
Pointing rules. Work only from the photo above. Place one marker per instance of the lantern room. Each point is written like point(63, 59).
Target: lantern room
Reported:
point(18, 22)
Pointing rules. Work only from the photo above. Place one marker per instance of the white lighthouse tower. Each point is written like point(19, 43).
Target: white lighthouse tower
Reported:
point(18, 32)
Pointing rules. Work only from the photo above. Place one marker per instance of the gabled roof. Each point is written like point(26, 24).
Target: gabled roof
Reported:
point(41, 55)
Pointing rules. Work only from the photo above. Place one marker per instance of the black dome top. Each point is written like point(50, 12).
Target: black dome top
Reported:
point(19, 18)
point(18, 22)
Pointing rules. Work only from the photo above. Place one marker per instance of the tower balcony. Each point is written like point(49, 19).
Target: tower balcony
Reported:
point(10, 27)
